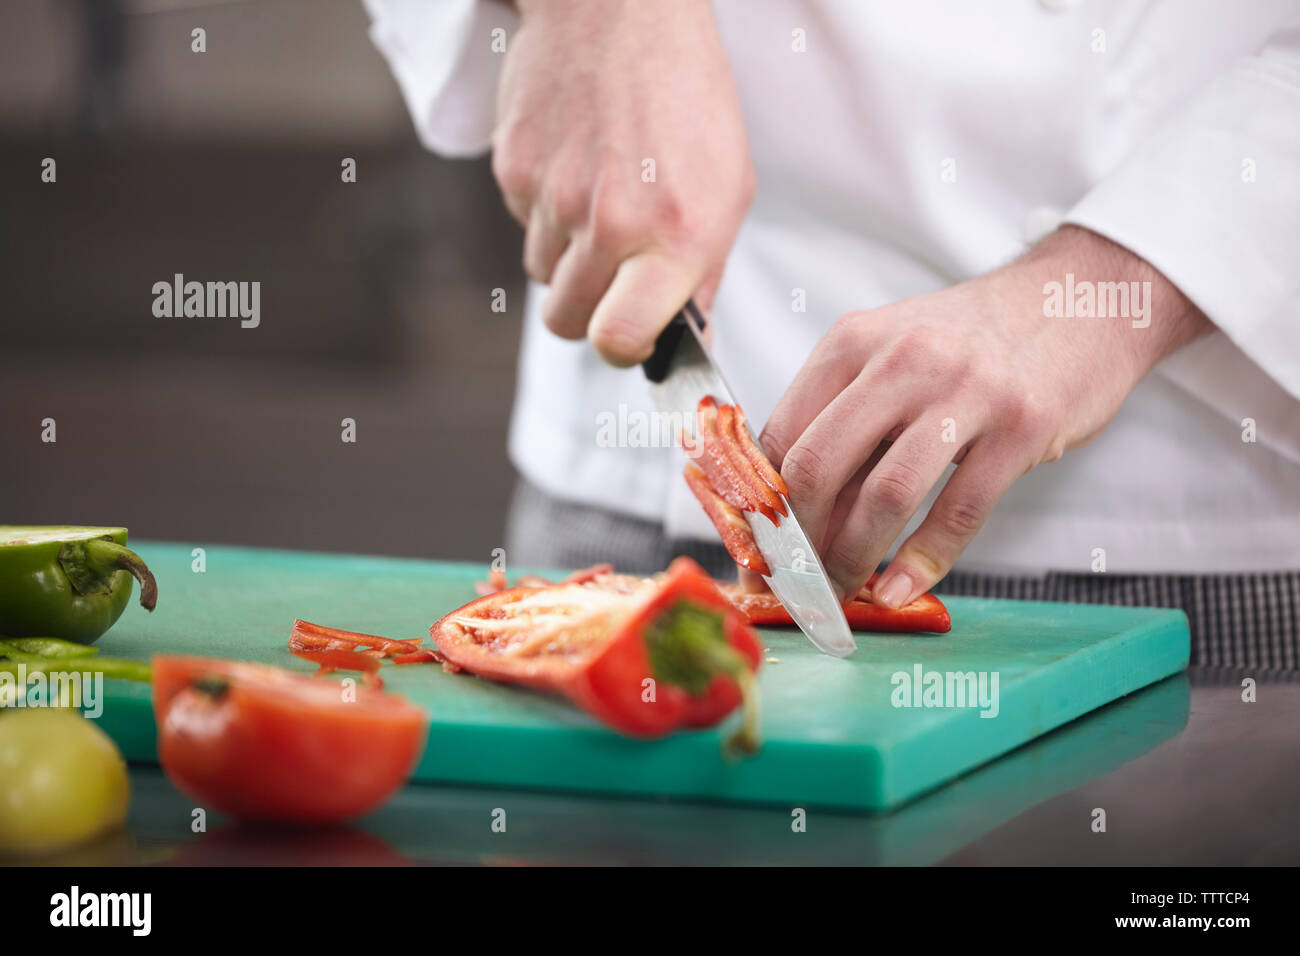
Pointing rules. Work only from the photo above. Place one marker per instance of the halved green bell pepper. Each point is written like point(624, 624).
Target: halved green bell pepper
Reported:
point(67, 582)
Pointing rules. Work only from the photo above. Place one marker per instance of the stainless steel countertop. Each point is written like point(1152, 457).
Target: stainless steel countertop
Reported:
point(1186, 772)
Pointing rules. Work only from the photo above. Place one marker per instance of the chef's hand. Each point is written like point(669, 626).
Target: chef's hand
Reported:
point(975, 374)
point(596, 97)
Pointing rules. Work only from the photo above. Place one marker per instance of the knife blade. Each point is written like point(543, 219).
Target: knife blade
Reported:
point(681, 372)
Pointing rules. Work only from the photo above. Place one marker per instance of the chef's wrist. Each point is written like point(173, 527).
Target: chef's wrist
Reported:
point(1083, 277)
point(603, 8)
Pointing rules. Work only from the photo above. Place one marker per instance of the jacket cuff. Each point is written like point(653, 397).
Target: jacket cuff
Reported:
point(443, 57)
point(1212, 200)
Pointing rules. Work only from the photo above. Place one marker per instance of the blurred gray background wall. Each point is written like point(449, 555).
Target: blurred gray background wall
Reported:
point(225, 165)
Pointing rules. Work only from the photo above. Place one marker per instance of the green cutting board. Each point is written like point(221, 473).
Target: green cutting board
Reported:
point(834, 734)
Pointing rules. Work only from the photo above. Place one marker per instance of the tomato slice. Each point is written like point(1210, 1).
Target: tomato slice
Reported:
point(264, 743)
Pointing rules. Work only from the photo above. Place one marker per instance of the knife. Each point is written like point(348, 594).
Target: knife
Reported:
point(681, 372)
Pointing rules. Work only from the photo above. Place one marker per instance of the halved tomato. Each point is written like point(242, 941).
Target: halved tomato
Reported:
point(263, 743)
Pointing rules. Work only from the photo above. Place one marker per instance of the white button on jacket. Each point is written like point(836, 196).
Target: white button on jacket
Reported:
point(914, 145)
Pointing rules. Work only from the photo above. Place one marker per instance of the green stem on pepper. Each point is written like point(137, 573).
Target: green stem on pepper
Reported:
point(688, 647)
point(88, 565)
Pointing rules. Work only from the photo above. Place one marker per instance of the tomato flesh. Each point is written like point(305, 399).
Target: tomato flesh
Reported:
point(262, 743)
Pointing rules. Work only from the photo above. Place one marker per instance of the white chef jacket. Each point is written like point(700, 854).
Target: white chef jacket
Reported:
point(912, 145)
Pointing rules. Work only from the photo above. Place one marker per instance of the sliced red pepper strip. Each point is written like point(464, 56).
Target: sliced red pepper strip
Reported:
point(765, 500)
point(497, 579)
point(598, 644)
point(496, 582)
point(771, 477)
point(299, 641)
point(714, 461)
point(332, 660)
point(926, 614)
point(732, 527)
point(533, 581)
point(306, 631)
point(422, 656)
point(583, 575)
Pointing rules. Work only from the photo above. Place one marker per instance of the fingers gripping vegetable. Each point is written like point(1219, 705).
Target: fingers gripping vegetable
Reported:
point(67, 582)
point(733, 469)
point(62, 781)
point(267, 744)
point(644, 655)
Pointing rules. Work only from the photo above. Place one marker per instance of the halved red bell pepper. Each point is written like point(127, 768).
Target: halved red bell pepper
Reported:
point(925, 614)
point(645, 656)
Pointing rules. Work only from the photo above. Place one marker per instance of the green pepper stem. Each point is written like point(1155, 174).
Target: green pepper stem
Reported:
point(745, 741)
point(111, 554)
point(718, 658)
point(688, 647)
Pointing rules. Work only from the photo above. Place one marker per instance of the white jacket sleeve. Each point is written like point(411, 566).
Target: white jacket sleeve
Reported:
point(1212, 200)
point(446, 57)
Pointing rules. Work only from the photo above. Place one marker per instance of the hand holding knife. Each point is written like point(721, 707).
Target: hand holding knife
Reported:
point(681, 371)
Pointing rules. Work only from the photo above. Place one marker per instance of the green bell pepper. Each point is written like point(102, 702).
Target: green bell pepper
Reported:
point(70, 583)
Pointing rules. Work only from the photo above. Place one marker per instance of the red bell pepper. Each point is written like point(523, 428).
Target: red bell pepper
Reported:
point(763, 497)
point(590, 573)
point(645, 656)
point(733, 476)
point(715, 461)
point(335, 649)
point(736, 536)
point(497, 579)
point(771, 477)
point(311, 636)
point(926, 613)
point(331, 660)
point(742, 468)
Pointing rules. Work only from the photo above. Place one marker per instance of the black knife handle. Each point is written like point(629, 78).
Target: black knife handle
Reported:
point(656, 366)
